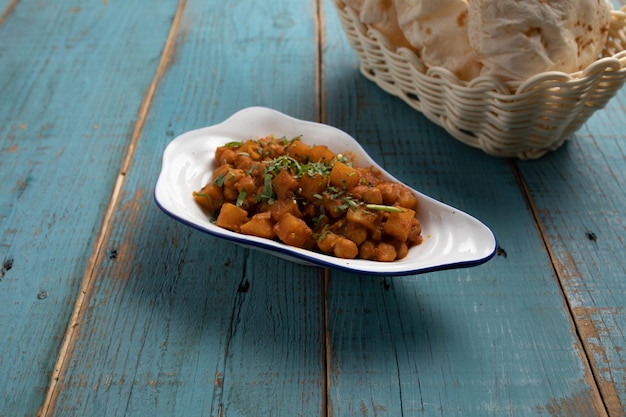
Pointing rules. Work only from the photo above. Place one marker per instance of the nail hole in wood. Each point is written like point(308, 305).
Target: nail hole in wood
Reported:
point(591, 236)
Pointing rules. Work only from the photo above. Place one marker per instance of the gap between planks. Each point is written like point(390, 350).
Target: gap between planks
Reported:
point(320, 42)
point(591, 373)
point(326, 410)
point(71, 332)
point(320, 107)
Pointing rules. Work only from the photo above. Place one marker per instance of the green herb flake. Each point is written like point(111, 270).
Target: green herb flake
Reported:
point(268, 190)
point(342, 208)
point(380, 207)
point(317, 220)
point(323, 235)
point(241, 197)
point(219, 181)
point(208, 197)
point(350, 202)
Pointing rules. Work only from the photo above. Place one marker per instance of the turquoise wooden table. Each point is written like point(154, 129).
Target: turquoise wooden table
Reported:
point(108, 307)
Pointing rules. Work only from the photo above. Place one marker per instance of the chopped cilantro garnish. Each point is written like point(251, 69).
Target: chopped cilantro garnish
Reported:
point(241, 197)
point(268, 190)
point(208, 197)
point(317, 220)
point(219, 181)
point(317, 168)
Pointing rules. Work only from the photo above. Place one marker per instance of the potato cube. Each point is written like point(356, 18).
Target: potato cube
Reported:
point(355, 232)
point(260, 225)
point(209, 198)
point(312, 185)
point(292, 230)
point(284, 184)
point(250, 148)
point(232, 176)
point(398, 225)
point(364, 217)
point(334, 207)
point(344, 176)
point(320, 153)
point(299, 151)
point(272, 150)
point(373, 196)
point(369, 195)
point(280, 207)
point(231, 217)
point(246, 183)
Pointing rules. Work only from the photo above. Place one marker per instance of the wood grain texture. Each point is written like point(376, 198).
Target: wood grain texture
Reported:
point(580, 199)
point(579, 196)
point(164, 320)
point(493, 340)
point(67, 110)
point(178, 323)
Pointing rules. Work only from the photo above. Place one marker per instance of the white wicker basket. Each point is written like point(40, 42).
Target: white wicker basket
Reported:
point(523, 119)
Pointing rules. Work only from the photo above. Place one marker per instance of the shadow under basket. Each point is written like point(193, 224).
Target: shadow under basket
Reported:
point(507, 119)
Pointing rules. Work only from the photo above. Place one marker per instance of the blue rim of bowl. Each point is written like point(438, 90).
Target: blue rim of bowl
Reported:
point(315, 261)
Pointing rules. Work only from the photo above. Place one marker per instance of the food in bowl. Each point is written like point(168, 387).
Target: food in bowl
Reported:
point(509, 39)
point(308, 197)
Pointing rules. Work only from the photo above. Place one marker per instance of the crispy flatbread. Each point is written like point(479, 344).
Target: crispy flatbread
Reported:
point(438, 29)
point(381, 15)
point(517, 39)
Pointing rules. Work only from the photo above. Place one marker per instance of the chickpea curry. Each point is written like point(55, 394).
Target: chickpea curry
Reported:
point(309, 197)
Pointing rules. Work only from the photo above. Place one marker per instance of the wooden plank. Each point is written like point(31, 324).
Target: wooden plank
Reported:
point(578, 195)
point(179, 323)
point(69, 100)
point(493, 340)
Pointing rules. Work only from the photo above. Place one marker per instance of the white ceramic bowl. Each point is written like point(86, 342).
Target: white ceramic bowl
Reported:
point(452, 238)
